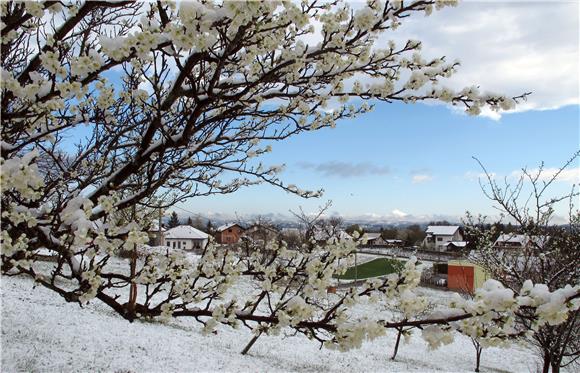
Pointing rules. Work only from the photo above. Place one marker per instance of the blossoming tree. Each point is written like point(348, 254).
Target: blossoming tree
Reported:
point(113, 108)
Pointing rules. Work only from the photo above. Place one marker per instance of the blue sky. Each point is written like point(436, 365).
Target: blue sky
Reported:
point(417, 159)
point(411, 159)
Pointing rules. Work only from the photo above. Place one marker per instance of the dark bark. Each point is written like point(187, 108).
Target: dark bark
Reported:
point(478, 351)
point(250, 344)
point(547, 362)
point(400, 331)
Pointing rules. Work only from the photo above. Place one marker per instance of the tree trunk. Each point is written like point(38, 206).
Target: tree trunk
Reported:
point(250, 344)
point(547, 362)
point(478, 351)
point(555, 365)
point(133, 287)
point(397, 344)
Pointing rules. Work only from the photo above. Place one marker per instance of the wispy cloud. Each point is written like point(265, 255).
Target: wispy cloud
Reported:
point(421, 178)
point(346, 169)
point(570, 175)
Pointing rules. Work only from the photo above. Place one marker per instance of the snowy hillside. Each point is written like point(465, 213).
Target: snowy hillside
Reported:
point(43, 333)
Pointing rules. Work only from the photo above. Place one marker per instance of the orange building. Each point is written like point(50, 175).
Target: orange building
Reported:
point(228, 233)
point(465, 276)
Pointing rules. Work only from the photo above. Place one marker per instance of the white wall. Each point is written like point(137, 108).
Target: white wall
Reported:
point(185, 243)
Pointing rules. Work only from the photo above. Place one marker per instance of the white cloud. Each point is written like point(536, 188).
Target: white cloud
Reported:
point(421, 178)
point(399, 214)
point(570, 175)
point(507, 47)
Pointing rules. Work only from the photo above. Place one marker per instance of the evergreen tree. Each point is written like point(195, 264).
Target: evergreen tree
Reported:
point(173, 220)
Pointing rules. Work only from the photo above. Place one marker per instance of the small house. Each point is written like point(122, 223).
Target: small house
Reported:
point(438, 236)
point(391, 242)
point(375, 239)
point(185, 237)
point(463, 275)
point(229, 233)
point(456, 245)
point(512, 241)
point(261, 233)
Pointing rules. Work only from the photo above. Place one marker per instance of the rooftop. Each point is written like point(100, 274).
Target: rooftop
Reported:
point(442, 230)
point(185, 231)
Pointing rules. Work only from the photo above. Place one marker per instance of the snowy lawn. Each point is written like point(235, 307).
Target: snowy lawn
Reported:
point(41, 332)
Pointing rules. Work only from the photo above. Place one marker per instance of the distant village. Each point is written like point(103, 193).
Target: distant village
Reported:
point(447, 246)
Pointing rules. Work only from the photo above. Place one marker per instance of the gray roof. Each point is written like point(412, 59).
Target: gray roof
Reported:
point(442, 230)
point(521, 239)
point(373, 236)
point(185, 232)
point(457, 243)
point(227, 226)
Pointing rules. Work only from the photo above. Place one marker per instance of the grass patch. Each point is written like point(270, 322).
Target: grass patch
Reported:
point(374, 268)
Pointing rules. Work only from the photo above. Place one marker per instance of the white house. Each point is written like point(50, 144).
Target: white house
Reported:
point(439, 236)
point(519, 241)
point(185, 237)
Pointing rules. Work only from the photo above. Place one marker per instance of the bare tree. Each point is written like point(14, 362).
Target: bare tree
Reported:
point(548, 255)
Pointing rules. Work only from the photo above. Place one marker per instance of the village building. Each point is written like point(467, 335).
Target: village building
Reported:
point(465, 276)
point(185, 237)
point(456, 245)
point(439, 236)
point(512, 241)
point(229, 233)
point(375, 239)
point(261, 233)
point(392, 242)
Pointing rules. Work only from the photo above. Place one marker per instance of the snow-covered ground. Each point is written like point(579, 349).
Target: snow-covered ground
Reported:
point(41, 332)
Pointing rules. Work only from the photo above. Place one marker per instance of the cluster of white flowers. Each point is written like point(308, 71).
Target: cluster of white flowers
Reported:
point(552, 308)
point(437, 336)
point(493, 309)
point(20, 174)
point(352, 334)
point(166, 312)
point(10, 247)
point(298, 310)
point(94, 281)
point(84, 65)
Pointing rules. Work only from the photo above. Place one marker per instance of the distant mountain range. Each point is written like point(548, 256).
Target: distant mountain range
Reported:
point(369, 221)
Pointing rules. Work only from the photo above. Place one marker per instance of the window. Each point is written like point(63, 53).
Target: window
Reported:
point(230, 230)
point(184, 243)
point(439, 238)
point(179, 244)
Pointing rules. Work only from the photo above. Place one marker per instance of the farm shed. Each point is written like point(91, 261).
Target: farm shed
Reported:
point(465, 276)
